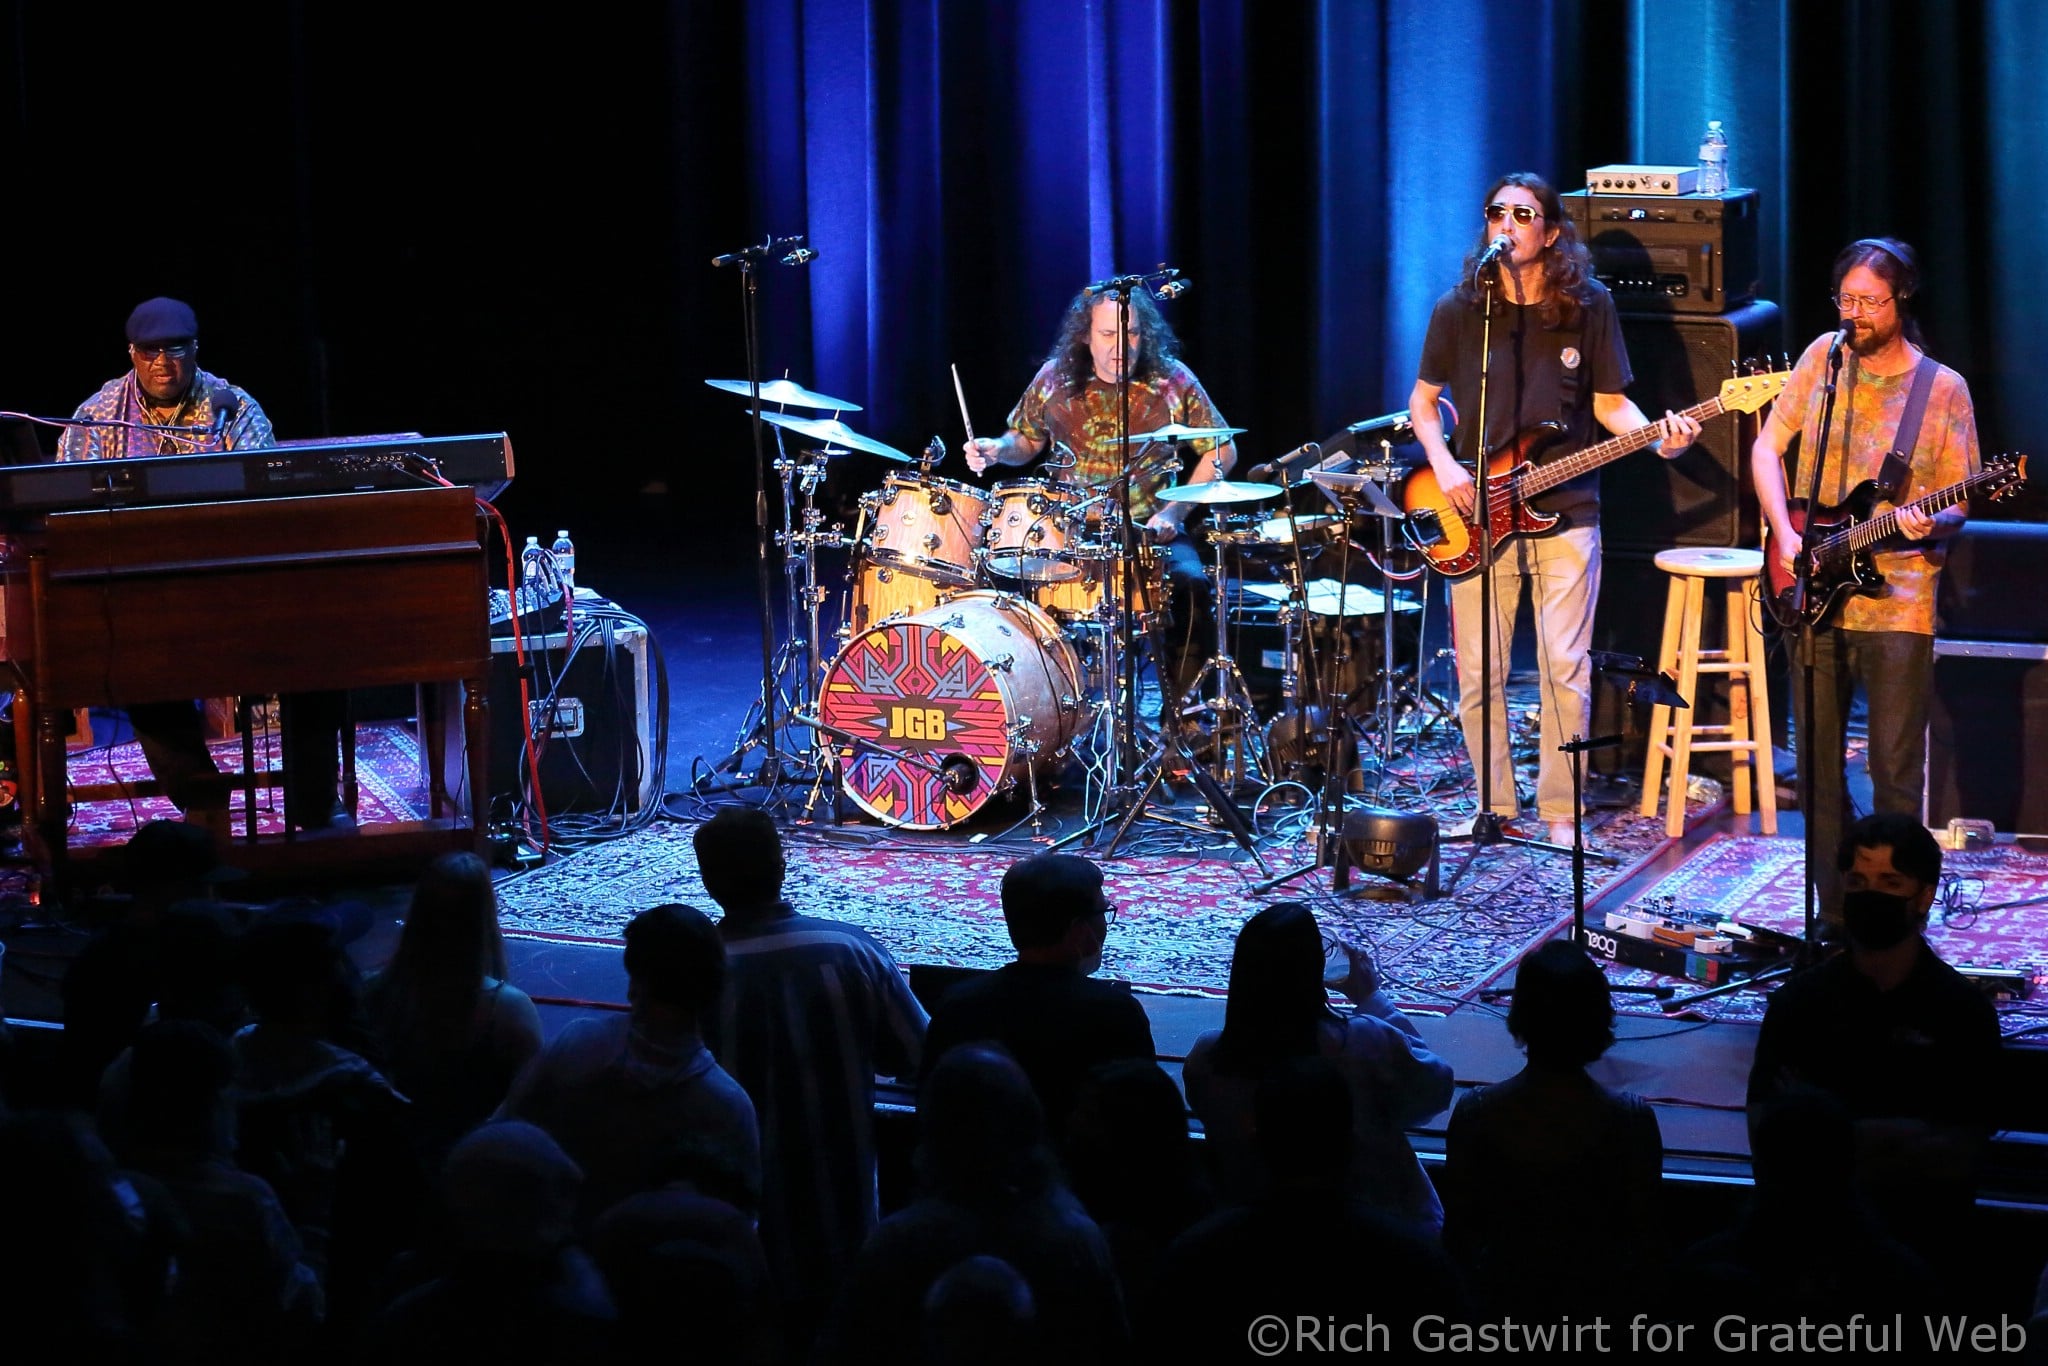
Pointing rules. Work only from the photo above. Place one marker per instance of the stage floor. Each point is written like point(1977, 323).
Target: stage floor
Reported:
point(702, 612)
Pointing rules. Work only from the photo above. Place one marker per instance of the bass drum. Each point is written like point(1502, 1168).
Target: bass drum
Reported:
point(952, 705)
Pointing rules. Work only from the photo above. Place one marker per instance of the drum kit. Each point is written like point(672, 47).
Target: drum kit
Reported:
point(983, 637)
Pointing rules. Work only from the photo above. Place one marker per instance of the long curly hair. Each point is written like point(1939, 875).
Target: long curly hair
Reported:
point(1158, 348)
point(1567, 265)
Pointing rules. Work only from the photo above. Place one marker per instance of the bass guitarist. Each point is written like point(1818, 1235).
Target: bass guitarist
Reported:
point(1556, 356)
point(1885, 642)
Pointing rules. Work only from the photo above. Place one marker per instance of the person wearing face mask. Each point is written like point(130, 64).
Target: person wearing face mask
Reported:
point(1902, 1039)
point(1047, 1008)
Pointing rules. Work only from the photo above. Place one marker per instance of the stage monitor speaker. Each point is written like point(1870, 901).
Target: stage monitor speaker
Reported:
point(1987, 721)
point(600, 756)
point(1704, 497)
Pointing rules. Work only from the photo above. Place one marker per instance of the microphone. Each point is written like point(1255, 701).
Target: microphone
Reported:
point(226, 408)
point(1500, 246)
point(1392, 422)
point(1841, 339)
point(1173, 288)
point(1307, 450)
point(773, 244)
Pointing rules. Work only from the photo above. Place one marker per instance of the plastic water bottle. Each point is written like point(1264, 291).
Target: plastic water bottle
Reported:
point(1713, 160)
point(565, 565)
point(532, 564)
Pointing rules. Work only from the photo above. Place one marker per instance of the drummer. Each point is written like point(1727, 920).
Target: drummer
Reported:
point(1073, 400)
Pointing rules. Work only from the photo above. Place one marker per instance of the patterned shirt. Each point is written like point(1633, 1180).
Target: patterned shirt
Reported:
point(122, 400)
point(1087, 421)
point(1867, 412)
point(812, 1010)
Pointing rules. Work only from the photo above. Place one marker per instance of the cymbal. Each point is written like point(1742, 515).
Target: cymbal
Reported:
point(1218, 491)
point(833, 432)
point(1173, 431)
point(785, 391)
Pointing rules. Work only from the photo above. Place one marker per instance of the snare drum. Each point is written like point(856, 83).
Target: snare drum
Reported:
point(1028, 529)
point(928, 527)
point(953, 705)
point(1083, 598)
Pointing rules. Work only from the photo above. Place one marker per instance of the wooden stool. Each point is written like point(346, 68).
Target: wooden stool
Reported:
point(1746, 739)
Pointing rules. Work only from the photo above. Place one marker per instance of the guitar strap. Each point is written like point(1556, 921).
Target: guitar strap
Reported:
point(1908, 434)
point(1570, 378)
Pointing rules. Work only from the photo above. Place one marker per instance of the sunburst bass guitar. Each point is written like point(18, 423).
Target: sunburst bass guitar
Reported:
point(1842, 541)
point(1452, 546)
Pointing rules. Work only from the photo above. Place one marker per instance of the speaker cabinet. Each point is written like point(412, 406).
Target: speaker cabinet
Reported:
point(1703, 497)
point(1987, 722)
point(595, 706)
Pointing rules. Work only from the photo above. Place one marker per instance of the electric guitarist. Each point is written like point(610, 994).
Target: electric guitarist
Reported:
point(1556, 355)
point(1884, 642)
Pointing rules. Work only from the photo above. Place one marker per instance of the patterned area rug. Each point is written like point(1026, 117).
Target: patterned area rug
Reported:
point(1991, 911)
point(387, 781)
point(937, 901)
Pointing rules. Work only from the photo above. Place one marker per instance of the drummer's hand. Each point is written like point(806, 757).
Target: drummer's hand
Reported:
point(1162, 527)
point(1677, 431)
point(1458, 489)
point(980, 453)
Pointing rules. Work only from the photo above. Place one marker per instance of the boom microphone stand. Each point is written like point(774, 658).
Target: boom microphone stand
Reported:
point(748, 260)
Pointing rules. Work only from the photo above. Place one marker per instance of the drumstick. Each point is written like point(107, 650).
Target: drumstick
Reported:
point(961, 394)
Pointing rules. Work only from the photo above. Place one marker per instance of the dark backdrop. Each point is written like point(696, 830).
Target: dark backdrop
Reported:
point(388, 219)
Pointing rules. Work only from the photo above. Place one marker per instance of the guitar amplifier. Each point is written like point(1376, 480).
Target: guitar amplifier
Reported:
point(1694, 253)
point(1987, 717)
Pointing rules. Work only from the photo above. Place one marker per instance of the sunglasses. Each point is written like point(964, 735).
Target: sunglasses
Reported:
point(178, 352)
point(1524, 213)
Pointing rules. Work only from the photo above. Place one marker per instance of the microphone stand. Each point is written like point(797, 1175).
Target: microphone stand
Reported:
point(1802, 590)
point(748, 260)
point(1486, 830)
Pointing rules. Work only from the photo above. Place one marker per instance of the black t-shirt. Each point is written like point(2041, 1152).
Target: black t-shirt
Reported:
point(1527, 375)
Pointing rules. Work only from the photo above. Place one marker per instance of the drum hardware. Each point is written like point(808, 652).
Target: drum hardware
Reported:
point(1230, 710)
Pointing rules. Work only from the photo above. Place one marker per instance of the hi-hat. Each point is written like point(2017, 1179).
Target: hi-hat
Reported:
point(1218, 491)
point(785, 391)
point(1173, 431)
point(833, 432)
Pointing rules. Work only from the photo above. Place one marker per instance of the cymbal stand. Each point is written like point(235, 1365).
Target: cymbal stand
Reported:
point(797, 666)
point(1231, 709)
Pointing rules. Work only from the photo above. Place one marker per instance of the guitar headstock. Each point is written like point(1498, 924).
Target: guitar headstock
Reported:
point(1747, 393)
point(2003, 475)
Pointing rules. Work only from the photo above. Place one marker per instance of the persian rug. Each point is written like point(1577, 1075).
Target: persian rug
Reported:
point(1991, 911)
point(937, 900)
point(388, 783)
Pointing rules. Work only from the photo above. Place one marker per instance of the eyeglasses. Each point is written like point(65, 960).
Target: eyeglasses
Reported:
point(178, 352)
point(1108, 913)
point(1857, 303)
point(1524, 213)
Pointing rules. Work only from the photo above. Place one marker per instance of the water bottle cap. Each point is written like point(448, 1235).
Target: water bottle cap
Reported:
point(1713, 123)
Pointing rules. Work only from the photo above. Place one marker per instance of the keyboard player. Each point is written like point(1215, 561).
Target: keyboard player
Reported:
point(166, 405)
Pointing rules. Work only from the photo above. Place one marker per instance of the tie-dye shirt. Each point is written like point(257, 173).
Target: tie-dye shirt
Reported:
point(121, 400)
point(1087, 421)
point(1867, 412)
